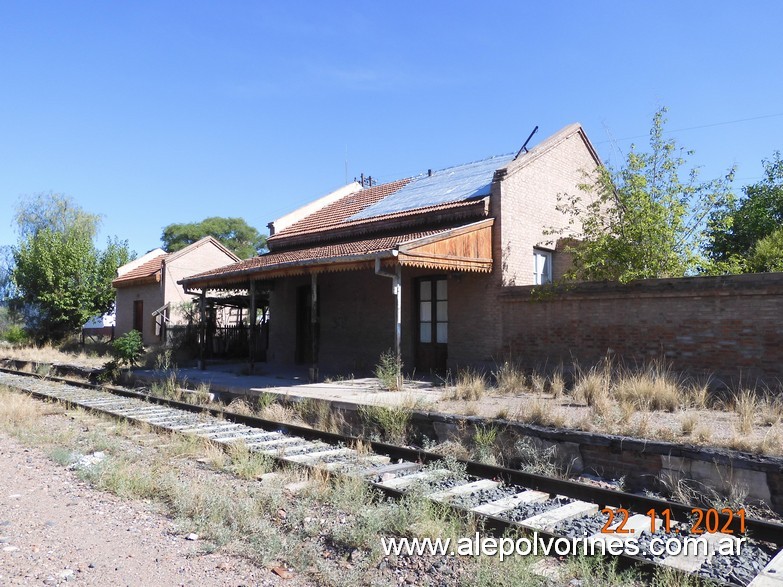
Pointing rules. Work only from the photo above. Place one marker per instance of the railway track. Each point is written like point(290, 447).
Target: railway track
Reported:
point(594, 518)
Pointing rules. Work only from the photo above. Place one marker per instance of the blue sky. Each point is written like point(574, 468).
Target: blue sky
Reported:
point(157, 112)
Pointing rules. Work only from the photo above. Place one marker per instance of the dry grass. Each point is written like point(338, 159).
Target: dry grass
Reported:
point(702, 433)
point(18, 411)
point(280, 413)
point(471, 385)
point(652, 389)
point(602, 409)
point(539, 411)
point(267, 524)
point(698, 396)
point(746, 404)
point(470, 409)
point(510, 379)
point(320, 415)
point(240, 406)
point(771, 409)
point(202, 395)
point(557, 384)
point(689, 423)
point(639, 426)
point(772, 443)
point(594, 386)
point(503, 413)
point(85, 357)
point(452, 449)
point(168, 387)
point(538, 383)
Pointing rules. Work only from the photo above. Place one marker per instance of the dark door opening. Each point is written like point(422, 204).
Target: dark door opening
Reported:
point(138, 315)
point(432, 321)
point(304, 330)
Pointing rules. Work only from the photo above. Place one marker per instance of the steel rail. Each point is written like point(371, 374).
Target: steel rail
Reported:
point(762, 530)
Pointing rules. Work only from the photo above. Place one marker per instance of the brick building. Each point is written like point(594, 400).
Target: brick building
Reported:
point(148, 293)
point(420, 262)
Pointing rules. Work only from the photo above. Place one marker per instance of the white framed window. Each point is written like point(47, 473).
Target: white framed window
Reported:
point(542, 266)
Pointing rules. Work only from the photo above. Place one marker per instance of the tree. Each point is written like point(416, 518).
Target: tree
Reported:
point(767, 254)
point(737, 228)
point(234, 233)
point(642, 220)
point(60, 278)
point(6, 266)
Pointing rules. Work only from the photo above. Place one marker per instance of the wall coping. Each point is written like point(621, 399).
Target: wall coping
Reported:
point(749, 284)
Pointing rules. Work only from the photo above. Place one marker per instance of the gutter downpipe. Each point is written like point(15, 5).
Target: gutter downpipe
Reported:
point(396, 278)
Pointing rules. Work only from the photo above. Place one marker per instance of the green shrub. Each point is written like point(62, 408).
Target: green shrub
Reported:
point(128, 348)
point(15, 334)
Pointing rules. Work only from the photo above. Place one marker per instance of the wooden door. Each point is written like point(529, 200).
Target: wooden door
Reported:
point(304, 329)
point(138, 315)
point(432, 324)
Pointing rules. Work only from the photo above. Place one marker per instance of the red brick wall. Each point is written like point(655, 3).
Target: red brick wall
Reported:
point(357, 319)
point(730, 327)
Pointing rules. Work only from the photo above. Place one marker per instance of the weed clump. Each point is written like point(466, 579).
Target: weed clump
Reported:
point(471, 385)
point(389, 423)
point(389, 371)
point(510, 379)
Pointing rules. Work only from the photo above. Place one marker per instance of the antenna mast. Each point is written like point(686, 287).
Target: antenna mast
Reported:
point(524, 147)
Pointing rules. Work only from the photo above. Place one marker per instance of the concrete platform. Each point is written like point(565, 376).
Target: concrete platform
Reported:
point(291, 384)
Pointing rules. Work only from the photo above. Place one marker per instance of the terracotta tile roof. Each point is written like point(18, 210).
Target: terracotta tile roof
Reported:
point(312, 255)
point(369, 210)
point(337, 212)
point(364, 226)
point(144, 272)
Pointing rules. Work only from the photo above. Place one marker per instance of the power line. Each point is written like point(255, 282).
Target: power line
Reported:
point(696, 127)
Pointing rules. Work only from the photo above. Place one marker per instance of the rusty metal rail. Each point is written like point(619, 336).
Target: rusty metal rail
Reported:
point(389, 468)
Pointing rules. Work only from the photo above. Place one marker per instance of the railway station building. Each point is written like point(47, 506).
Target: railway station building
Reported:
point(416, 264)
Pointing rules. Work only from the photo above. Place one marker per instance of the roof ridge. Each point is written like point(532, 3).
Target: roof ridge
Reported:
point(334, 213)
point(200, 242)
point(498, 156)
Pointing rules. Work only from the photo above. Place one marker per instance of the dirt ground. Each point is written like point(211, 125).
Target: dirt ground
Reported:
point(55, 529)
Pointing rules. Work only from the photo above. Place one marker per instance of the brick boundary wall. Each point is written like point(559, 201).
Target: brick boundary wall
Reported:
point(727, 327)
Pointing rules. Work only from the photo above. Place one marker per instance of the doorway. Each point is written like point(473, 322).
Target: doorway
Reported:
point(138, 315)
point(432, 318)
point(306, 347)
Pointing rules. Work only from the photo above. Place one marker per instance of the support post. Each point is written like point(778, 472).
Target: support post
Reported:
point(397, 286)
point(251, 339)
point(202, 310)
point(396, 278)
point(314, 325)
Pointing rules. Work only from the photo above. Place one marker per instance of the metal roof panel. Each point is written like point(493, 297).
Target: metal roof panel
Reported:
point(454, 184)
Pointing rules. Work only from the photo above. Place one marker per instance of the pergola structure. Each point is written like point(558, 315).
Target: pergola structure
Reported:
point(249, 299)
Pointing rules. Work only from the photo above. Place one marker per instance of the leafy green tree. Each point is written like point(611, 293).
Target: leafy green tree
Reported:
point(236, 234)
point(646, 219)
point(6, 267)
point(767, 254)
point(737, 227)
point(60, 278)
